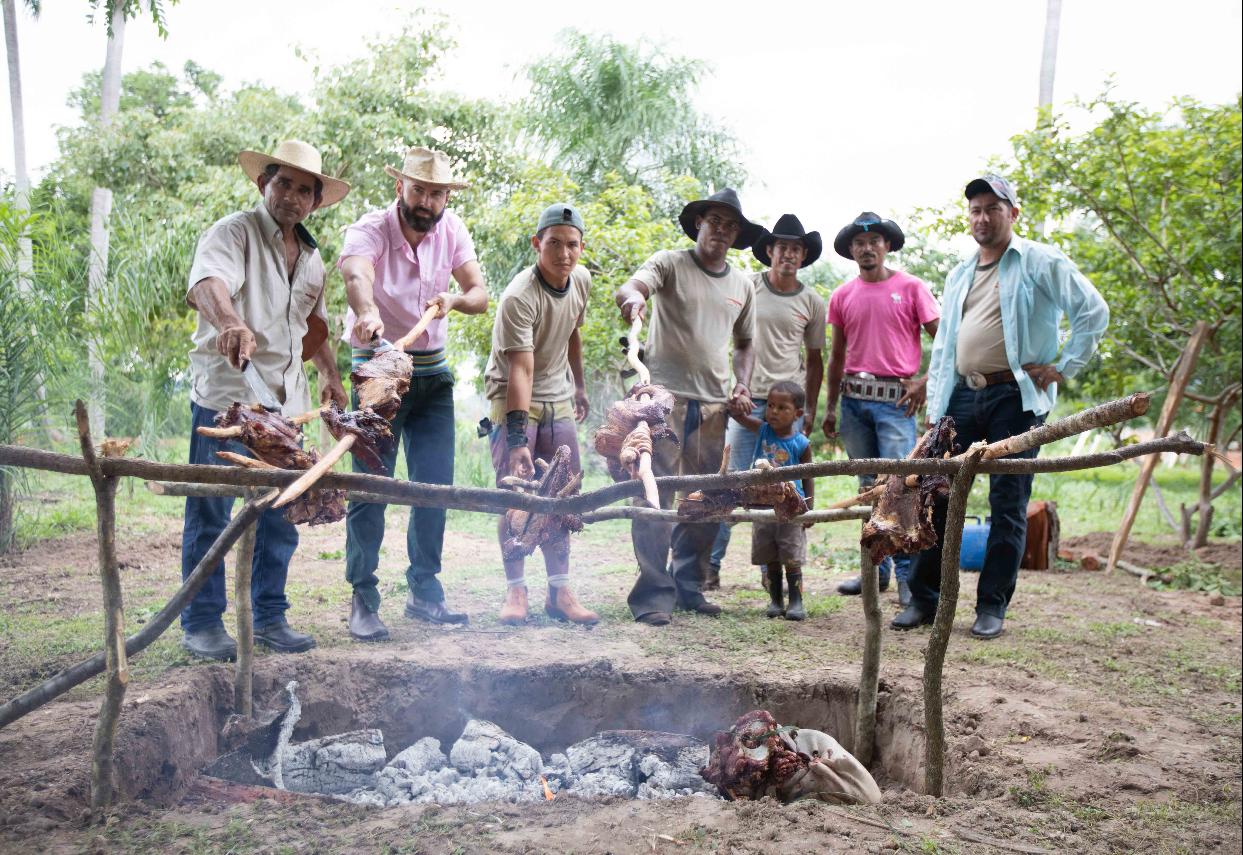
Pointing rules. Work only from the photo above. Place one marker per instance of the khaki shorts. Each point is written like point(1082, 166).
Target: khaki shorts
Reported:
point(781, 542)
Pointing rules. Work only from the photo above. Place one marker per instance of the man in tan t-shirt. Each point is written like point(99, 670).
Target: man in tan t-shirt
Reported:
point(699, 304)
point(789, 345)
point(534, 382)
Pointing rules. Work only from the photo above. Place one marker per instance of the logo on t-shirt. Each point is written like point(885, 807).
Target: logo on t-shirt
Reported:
point(895, 296)
point(776, 453)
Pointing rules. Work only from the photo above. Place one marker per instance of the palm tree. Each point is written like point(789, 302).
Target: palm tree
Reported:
point(117, 12)
point(22, 177)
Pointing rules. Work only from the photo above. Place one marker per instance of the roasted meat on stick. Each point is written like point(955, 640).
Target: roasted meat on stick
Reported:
point(525, 531)
point(634, 423)
point(276, 443)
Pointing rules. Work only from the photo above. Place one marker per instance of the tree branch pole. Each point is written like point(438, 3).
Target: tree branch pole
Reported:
point(115, 661)
point(60, 683)
point(1178, 383)
point(869, 669)
point(630, 512)
point(943, 623)
point(243, 559)
point(499, 501)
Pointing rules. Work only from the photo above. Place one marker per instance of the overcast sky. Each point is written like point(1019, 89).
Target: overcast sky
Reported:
point(839, 107)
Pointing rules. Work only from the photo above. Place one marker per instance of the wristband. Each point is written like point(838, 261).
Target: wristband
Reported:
point(516, 428)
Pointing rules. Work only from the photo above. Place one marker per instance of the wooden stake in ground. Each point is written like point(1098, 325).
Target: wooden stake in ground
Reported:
point(75, 675)
point(243, 679)
point(1178, 385)
point(943, 623)
point(869, 670)
point(102, 787)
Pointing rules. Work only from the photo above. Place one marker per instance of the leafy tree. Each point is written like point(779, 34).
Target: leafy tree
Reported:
point(598, 106)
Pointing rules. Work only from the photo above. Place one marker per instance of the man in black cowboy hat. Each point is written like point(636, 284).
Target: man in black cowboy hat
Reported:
point(874, 358)
point(789, 319)
point(698, 305)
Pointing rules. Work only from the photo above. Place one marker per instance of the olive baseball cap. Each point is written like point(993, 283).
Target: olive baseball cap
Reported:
point(560, 214)
point(991, 182)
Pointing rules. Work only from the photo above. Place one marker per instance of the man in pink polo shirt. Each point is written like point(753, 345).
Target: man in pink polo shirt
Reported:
point(875, 355)
point(396, 263)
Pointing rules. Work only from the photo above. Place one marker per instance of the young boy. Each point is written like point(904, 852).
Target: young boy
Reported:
point(774, 544)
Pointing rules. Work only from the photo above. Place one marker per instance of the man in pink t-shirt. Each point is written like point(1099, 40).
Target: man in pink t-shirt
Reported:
point(875, 319)
point(397, 263)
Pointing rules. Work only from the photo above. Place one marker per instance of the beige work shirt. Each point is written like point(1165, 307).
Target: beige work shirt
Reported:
point(692, 318)
point(786, 322)
point(981, 339)
point(533, 316)
point(246, 252)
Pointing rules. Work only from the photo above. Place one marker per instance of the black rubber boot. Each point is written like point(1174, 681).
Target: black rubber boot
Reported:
point(776, 608)
point(795, 610)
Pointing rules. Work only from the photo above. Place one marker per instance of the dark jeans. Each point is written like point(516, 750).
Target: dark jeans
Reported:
point(275, 542)
point(990, 414)
point(425, 425)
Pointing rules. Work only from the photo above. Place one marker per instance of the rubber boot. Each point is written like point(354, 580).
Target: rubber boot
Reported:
point(514, 611)
point(563, 605)
point(776, 608)
point(795, 610)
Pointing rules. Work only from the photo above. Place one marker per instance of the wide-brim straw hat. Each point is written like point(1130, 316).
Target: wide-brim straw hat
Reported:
point(298, 155)
point(428, 167)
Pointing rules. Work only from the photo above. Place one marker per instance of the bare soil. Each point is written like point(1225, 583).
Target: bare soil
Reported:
point(1106, 719)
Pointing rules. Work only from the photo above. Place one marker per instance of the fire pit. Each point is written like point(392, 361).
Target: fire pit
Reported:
point(395, 733)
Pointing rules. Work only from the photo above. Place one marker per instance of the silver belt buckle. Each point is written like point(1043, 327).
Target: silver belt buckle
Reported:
point(976, 381)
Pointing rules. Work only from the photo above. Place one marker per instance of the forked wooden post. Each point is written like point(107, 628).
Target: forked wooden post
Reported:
point(869, 672)
point(102, 788)
point(943, 623)
point(244, 556)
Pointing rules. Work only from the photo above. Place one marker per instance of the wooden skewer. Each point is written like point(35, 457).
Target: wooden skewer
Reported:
point(409, 338)
point(218, 432)
point(297, 488)
point(309, 416)
point(244, 461)
point(645, 377)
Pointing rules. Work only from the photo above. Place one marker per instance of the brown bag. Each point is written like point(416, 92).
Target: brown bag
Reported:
point(1043, 534)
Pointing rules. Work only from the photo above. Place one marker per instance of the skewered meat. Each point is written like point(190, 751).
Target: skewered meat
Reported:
point(644, 403)
point(902, 518)
point(525, 530)
point(783, 497)
point(758, 757)
point(381, 382)
point(275, 440)
point(373, 435)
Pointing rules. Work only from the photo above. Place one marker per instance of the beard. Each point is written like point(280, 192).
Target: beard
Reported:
point(419, 222)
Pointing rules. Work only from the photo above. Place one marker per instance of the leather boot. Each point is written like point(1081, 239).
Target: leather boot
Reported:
point(795, 610)
point(365, 625)
point(712, 578)
point(514, 611)
point(777, 607)
point(563, 605)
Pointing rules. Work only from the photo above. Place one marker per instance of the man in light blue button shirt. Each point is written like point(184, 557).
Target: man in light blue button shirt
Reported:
point(995, 369)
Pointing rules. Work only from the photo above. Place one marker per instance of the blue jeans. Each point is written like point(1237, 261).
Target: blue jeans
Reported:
point(991, 414)
point(741, 441)
point(424, 422)
point(275, 542)
point(878, 429)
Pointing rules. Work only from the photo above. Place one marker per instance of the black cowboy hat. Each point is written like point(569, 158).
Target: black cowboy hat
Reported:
point(747, 235)
point(868, 222)
point(788, 228)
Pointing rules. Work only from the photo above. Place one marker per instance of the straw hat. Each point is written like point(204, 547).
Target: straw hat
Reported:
point(298, 155)
point(427, 166)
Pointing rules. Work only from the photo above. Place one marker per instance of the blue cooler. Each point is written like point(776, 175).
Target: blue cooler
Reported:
point(974, 539)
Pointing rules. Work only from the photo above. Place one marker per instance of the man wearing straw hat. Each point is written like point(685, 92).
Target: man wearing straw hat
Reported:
point(397, 263)
point(257, 282)
point(698, 306)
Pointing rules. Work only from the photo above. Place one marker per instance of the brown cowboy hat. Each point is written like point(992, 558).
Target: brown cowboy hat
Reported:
point(298, 155)
point(427, 166)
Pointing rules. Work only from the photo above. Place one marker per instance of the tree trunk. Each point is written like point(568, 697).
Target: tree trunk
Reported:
point(101, 209)
point(1178, 384)
point(1048, 56)
point(21, 177)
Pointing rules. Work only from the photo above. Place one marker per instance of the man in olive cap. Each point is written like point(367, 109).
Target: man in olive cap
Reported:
point(698, 306)
point(534, 383)
point(257, 283)
point(397, 263)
